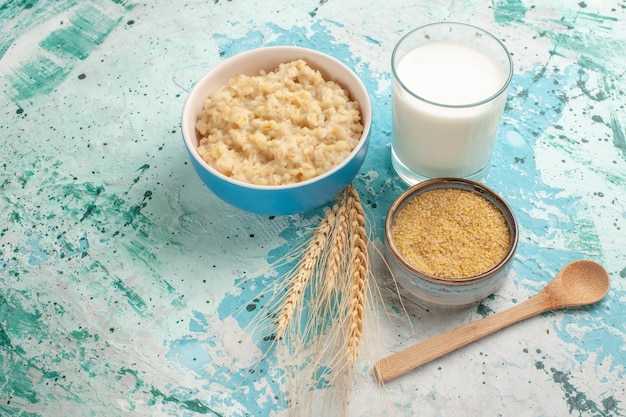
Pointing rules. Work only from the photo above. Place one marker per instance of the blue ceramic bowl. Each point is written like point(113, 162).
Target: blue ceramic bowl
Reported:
point(448, 292)
point(281, 199)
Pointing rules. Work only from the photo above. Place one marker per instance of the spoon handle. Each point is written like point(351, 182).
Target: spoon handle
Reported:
point(417, 355)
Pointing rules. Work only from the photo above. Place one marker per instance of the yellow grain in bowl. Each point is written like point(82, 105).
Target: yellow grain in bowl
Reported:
point(277, 128)
point(451, 233)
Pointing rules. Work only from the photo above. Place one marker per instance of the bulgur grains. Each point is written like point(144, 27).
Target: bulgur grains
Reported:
point(281, 127)
point(451, 233)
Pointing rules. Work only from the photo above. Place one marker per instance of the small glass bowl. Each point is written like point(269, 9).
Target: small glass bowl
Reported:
point(449, 292)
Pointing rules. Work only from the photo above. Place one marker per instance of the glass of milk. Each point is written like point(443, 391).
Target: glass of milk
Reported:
point(450, 83)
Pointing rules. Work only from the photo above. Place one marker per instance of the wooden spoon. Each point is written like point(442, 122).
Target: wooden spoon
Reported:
point(579, 283)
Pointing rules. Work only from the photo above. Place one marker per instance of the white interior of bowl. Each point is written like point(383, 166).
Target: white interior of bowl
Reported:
point(268, 59)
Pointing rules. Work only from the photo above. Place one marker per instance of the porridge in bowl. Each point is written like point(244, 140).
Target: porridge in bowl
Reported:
point(277, 128)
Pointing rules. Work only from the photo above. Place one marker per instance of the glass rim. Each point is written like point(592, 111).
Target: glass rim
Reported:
point(492, 97)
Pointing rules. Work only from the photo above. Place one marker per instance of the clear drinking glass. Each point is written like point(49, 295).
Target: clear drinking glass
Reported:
point(450, 84)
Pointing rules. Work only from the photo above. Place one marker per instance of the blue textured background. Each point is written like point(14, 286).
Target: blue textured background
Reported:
point(123, 281)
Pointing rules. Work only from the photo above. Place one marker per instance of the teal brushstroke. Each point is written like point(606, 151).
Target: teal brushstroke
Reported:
point(133, 299)
point(506, 11)
point(127, 371)
point(181, 401)
point(92, 205)
point(68, 43)
point(619, 135)
point(195, 405)
point(17, 17)
point(11, 411)
point(127, 5)
point(81, 191)
point(89, 28)
point(41, 75)
point(5, 341)
point(93, 24)
point(18, 323)
point(68, 250)
point(37, 76)
point(590, 50)
point(589, 61)
point(22, 380)
point(598, 19)
point(579, 402)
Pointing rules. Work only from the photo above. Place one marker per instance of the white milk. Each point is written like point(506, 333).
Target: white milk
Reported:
point(436, 140)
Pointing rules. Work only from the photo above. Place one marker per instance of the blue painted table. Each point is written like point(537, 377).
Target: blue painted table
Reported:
point(120, 273)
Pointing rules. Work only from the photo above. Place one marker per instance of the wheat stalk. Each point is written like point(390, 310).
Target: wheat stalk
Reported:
point(314, 313)
point(305, 271)
point(357, 273)
point(319, 307)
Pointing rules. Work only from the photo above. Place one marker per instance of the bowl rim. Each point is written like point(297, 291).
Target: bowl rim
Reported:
point(456, 183)
point(365, 108)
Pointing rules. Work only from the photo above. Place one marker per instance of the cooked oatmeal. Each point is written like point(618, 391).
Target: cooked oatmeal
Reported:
point(281, 127)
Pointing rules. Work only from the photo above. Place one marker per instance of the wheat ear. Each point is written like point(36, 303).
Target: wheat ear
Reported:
point(337, 247)
point(304, 271)
point(357, 273)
